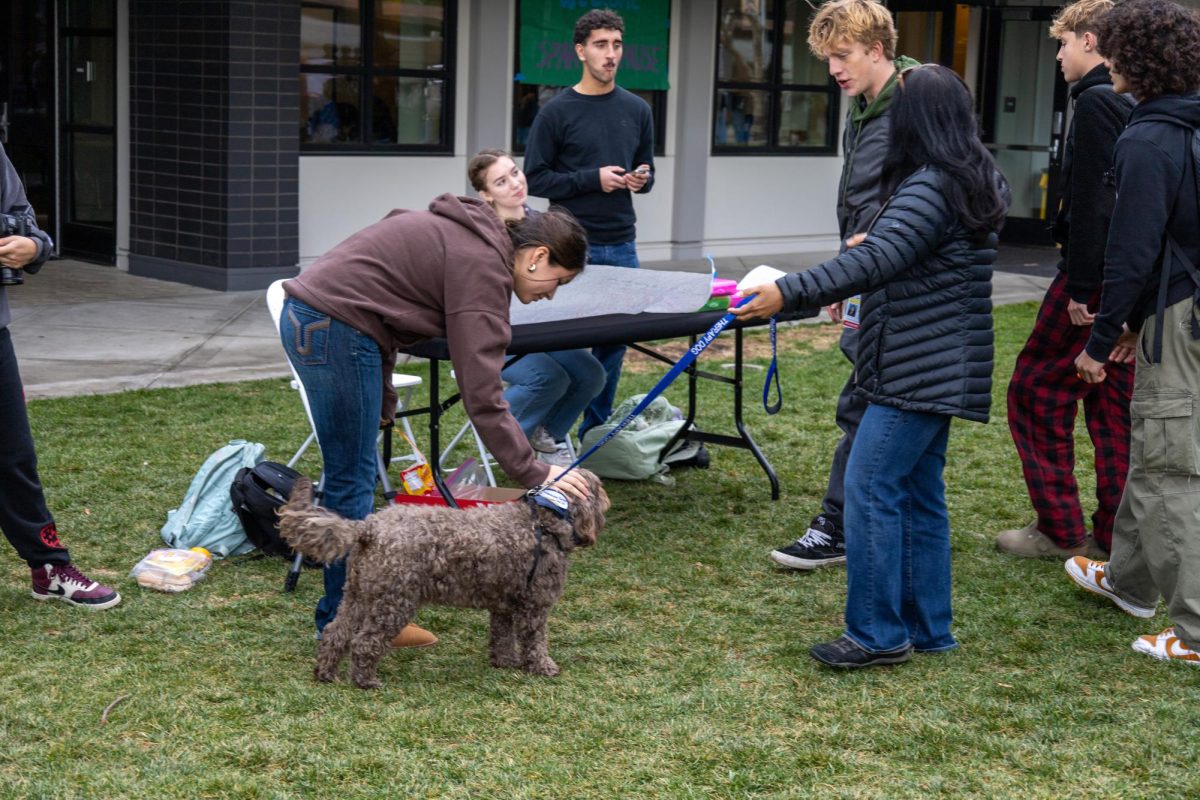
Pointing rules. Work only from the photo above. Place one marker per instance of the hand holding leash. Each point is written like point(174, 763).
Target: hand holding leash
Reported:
point(760, 302)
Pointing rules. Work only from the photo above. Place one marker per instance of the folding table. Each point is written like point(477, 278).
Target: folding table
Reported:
point(585, 332)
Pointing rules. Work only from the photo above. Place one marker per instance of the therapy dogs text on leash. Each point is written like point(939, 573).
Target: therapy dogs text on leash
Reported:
point(509, 558)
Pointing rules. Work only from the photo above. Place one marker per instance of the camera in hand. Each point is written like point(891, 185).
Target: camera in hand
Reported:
point(12, 225)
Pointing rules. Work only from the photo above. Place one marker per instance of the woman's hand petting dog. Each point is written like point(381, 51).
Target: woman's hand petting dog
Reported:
point(572, 483)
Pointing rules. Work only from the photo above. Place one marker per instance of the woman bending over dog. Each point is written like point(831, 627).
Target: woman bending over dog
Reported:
point(449, 271)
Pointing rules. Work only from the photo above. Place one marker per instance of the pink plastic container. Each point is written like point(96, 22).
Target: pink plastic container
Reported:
point(723, 286)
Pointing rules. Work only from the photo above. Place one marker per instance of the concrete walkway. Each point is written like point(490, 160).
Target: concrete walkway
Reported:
point(85, 329)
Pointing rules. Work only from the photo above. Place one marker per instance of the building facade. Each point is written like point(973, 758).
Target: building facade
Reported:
point(226, 143)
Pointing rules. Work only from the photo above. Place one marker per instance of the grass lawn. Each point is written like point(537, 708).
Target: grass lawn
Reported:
point(684, 651)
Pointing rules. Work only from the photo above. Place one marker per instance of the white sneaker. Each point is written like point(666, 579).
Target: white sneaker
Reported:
point(561, 457)
point(542, 441)
point(1167, 647)
point(1089, 575)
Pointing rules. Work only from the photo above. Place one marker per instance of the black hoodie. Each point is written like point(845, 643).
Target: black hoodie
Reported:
point(1156, 194)
point(1087, 201)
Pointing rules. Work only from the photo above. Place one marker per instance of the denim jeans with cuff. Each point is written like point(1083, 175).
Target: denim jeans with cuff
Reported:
point(552, 389)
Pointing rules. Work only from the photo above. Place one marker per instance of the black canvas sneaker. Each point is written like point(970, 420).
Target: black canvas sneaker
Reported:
point(821, 545)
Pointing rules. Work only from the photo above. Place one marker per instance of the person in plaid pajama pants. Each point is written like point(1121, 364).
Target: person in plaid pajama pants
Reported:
point(1043, 398)
point(1044, 394)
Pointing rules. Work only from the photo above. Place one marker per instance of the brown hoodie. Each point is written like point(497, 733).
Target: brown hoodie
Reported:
point(416, 275)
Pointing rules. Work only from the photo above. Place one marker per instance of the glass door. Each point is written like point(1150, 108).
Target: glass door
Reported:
point(88, 143)
point(27, 102)
point(1024, 102)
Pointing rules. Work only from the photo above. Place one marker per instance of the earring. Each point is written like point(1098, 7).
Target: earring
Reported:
point(532, 266)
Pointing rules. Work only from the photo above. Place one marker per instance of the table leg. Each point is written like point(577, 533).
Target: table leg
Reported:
point(435, 432)
point(743, 440)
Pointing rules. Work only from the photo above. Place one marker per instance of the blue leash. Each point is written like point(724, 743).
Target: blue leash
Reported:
point(680, 366)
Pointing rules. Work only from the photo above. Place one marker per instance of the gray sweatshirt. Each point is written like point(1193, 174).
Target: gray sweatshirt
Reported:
point(13, 201)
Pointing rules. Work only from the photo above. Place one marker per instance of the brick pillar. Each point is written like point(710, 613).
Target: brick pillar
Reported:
point(214, 141)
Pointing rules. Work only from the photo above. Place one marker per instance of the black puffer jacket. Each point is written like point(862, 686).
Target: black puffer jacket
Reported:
point(926, 338)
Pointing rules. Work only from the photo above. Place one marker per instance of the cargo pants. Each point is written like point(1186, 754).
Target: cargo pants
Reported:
point(1156, 534)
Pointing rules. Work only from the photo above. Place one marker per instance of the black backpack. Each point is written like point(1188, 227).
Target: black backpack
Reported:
point(258, 492)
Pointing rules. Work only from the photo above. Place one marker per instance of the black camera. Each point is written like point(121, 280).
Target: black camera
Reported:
point(12, 225)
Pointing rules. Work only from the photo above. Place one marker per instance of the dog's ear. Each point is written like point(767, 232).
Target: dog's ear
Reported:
point(589, 514)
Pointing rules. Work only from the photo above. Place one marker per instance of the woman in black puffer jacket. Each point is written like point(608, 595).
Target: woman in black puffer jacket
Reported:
point(924, 356)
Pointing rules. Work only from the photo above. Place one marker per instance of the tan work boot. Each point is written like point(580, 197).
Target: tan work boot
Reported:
point(413, 636)
point(1029, 542)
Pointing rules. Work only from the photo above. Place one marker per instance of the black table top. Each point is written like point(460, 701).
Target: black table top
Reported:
point(608, 329)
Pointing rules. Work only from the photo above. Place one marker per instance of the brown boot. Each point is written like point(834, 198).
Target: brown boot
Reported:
point(1029, 542)
point(413, 636)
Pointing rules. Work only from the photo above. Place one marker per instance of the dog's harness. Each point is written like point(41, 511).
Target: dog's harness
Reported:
point(556, 501)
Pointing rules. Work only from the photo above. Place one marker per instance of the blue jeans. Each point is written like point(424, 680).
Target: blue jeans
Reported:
point(342, 374)
point(898, 532)
point(611, 356)
point(552, 389)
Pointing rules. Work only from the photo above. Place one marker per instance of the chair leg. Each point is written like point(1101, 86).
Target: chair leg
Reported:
point(312, 437)
point(484, 456)
point(449, 448)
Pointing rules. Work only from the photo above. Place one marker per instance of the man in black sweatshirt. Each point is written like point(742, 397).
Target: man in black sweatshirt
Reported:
point(1045, 393)
point(1152, 287)
point(589, 150)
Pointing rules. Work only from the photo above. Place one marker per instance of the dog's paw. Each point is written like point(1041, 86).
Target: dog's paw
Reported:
point(546, 667)
point(368, 683)
point(325, 676)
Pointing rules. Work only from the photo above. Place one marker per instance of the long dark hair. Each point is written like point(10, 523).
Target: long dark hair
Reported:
point(934, 124)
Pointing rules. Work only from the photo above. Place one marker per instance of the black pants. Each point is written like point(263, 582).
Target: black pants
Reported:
point(850, 410)
point(24, 518)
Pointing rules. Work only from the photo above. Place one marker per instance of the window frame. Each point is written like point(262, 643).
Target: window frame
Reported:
point(774, 87)
point(367, 71)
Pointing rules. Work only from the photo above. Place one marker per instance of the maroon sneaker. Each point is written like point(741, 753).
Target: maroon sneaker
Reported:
point(65, 582)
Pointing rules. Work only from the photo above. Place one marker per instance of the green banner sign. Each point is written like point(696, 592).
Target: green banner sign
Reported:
point(548, 55)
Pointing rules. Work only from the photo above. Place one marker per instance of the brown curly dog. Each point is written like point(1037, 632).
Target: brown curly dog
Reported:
point(509, 558)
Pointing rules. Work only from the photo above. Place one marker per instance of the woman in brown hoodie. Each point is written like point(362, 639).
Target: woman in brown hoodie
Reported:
point(447, 271)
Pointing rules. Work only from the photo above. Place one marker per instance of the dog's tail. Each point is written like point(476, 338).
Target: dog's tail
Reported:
point(317, 533)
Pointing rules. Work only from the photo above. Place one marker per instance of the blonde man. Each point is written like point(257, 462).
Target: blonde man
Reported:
point(858, 40)
point(1045, 392)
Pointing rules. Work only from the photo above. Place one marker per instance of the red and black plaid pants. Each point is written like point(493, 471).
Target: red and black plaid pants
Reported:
point(1042, 401)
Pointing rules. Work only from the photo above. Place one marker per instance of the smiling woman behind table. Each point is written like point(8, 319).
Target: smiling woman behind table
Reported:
point(447, 271)
point(924, 356)
point(547, 392)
